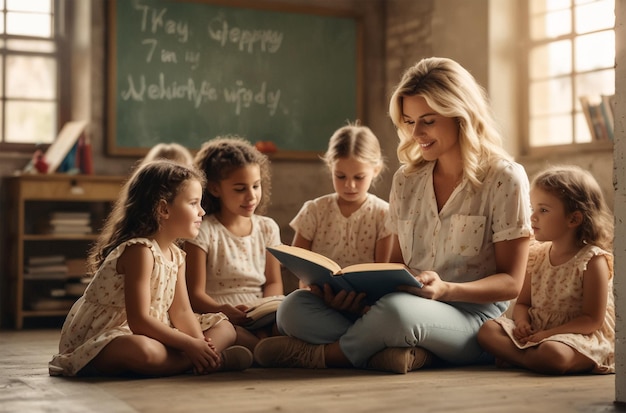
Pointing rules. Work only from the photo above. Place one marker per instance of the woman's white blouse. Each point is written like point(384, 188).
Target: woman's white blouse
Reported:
point(458, 242)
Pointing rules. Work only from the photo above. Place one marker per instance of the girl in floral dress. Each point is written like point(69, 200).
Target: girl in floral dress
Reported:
point(564, 319)
point(135, 316)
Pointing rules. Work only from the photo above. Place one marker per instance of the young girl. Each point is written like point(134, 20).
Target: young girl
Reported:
point(228, 267)
point(135, 316)
point(347, 226)
point(563, 321)
point(174, 151)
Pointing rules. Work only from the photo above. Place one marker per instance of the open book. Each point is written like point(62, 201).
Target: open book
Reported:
point(262, 312)
point(373, 279)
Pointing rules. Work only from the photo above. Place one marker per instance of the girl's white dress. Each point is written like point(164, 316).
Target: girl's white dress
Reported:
point(556, 296)
point(235, 266)
point(345, 240)
point(99, 315)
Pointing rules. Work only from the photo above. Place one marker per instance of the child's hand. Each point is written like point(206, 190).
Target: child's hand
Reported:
point(203, 356)
point(537, 337)
point(235, 315)
point(522, 330)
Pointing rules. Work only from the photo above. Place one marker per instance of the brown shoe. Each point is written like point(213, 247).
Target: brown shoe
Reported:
point(236, 358)
point(289, 352)
point(400, 359)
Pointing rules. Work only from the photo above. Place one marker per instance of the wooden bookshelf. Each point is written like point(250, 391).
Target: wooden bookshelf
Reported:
point(31, 200)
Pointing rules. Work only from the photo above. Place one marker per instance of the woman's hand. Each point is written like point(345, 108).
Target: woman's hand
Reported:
point(203, 356)
point(342, 301)
point(434, 287)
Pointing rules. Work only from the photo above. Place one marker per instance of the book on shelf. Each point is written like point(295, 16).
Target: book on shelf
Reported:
point(59, 275)
point(49, 268)
point(35, 260)
point(262, 312)
point(71, 229)
point(599, 117)
point(72, 216)
point(373, 279)
point(70, 221)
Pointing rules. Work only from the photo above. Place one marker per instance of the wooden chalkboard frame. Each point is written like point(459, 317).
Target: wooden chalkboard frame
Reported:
point(112, 146)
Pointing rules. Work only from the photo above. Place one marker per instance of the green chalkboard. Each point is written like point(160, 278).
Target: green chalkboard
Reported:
point(188, 71)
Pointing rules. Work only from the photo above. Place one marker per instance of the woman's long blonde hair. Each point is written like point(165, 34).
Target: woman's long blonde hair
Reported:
point(450, 90)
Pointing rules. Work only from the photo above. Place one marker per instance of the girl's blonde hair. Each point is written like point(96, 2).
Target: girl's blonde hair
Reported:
point(579, 191)
point(354, 141)
point(135, 213)
point(173, 151)
point(219, 157)
point(451, 91)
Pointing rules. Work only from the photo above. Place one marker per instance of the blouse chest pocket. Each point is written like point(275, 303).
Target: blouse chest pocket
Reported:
point(466, 234)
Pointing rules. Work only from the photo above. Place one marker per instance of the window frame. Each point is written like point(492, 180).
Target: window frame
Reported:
point(62, 33)
point(527, 149)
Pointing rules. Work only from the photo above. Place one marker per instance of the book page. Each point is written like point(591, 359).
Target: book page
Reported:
point(318, 259)
point(373, 266)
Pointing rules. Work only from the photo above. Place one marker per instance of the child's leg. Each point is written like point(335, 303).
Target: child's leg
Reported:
point(493, 339)
point(550, 357)
point(246, 338)
point(222, 335)
point(225, 339)
point(553, 357)
point(139, 354)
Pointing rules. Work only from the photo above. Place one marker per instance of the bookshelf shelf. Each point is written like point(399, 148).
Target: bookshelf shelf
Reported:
point(33, 201)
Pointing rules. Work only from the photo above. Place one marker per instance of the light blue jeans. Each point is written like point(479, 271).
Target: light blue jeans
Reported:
point(397, 320)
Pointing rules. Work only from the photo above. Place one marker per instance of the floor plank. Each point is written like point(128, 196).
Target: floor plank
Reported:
point(26, 387)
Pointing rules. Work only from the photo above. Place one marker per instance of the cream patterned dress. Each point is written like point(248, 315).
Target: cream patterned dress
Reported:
point(345, 240)
point(99, 315)
point(557, 294)
point(235, 266)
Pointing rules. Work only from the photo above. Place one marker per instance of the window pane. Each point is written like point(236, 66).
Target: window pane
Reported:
point(596, 15)
point(42, 6)
point(550, 25)
point(30, 122)
point(595, 51)
point(554, 130)
point(596, 83)
point(552, 59)
point(29, 24)
point(41, 46)
point(31, 77)
point(541, 6)
point(550, 97)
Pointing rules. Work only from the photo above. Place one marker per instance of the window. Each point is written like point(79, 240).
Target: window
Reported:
point(571, 53)
point(30, 51)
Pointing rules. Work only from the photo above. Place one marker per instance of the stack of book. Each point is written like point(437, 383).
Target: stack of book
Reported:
point(600, 115)
point(45, 267)
point(70, 223)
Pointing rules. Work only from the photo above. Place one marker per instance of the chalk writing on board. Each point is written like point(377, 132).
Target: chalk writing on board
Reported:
point(189, 71)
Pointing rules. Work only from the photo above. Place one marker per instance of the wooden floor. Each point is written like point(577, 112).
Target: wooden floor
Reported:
point(26, 387)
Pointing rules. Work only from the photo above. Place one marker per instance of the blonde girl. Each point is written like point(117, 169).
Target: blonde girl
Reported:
point(347, 226)
point(564, 319)
point(135, 316)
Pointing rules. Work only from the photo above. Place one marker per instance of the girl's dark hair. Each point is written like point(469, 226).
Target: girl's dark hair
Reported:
point(219, 157)
point(579, 191)
point(135, 212)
